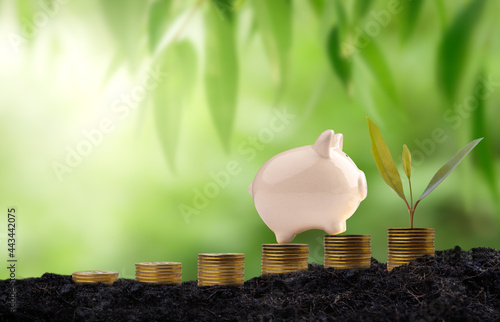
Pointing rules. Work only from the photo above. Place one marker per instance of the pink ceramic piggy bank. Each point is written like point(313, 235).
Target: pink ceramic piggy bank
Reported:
point(312, 187)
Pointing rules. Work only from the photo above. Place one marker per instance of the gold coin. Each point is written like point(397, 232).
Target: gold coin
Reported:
point(158, 276)
point(220, 281)
point(95, 273)
point(107, 277)
point(221, 272)
point(219, 284)
point(76, 280)
point(176, 279)
point(159, 269)
point(158, 272)
point(159, 264)
point(285, 245)
point(342, 258)
point(286, 255)
point(221, 255)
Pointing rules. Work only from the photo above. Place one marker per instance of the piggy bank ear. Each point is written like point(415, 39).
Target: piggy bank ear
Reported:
point(323, 143)
point(338, 141)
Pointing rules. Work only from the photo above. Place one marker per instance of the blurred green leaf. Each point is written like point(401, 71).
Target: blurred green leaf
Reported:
point(275, 26)
point(384, 161)
point(178, 61)
point(447, 168)
point(342, 18)
point(454, 48)
point(409, 17)
point(341, 65)
point(318, 6)
point(361, 8)
point(407, 161)
point(126, 20)
point(441, 12)
point(26, 9)
point(380, 69)
point(221, 72)
point(483, 153)
point(225, 7)
point(158, 18)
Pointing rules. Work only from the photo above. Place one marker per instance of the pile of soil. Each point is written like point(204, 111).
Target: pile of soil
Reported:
point(454, 285)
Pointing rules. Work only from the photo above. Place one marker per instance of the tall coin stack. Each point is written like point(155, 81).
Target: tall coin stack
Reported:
point(158, 272)
point(85, 277)
point(284, 258)
point(347, 251)
point(407, 244)
point(226, 269)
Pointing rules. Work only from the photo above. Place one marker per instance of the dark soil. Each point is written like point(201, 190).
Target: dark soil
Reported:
point(455, 285)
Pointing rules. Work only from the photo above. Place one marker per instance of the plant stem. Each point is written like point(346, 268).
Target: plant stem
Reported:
point(412, 209)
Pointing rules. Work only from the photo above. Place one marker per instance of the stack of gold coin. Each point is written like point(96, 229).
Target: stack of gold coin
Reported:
point(226, 269)
point(106, 277)
point(284, 258)
point(158, 272)
point(347, 251)
point(407, 244)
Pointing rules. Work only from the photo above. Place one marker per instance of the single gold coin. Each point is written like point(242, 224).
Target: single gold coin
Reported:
point(158, 264)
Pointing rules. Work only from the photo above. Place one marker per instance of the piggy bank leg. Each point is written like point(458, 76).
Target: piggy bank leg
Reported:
point(336, 228)
point(284, 237)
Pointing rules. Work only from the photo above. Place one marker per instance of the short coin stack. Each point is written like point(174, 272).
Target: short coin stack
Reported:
point(407, 244)
point(226, 269)
point(158, 272)
point(284, 258)
point(347, 251)
point(85, 277)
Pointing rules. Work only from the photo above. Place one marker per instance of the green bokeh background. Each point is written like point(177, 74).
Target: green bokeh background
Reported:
point(121, 203)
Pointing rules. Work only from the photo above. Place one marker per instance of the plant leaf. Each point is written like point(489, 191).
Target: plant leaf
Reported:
point(275, 26)
point(158, 18)
point(342, 18)
point(126, 20)
point(221, 72)
point(178, 61)
point(441, 12)
point(409, 17)
point(361, 8)
point(318, 6)
point(384, 161)
point(454, 48)
point(225, 7)
point(341, 66)
point(407, 160)
point(447, 168)
point(380, 69)
point(483, 153)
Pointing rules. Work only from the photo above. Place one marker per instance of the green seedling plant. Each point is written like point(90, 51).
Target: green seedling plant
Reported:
point(390, 173)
